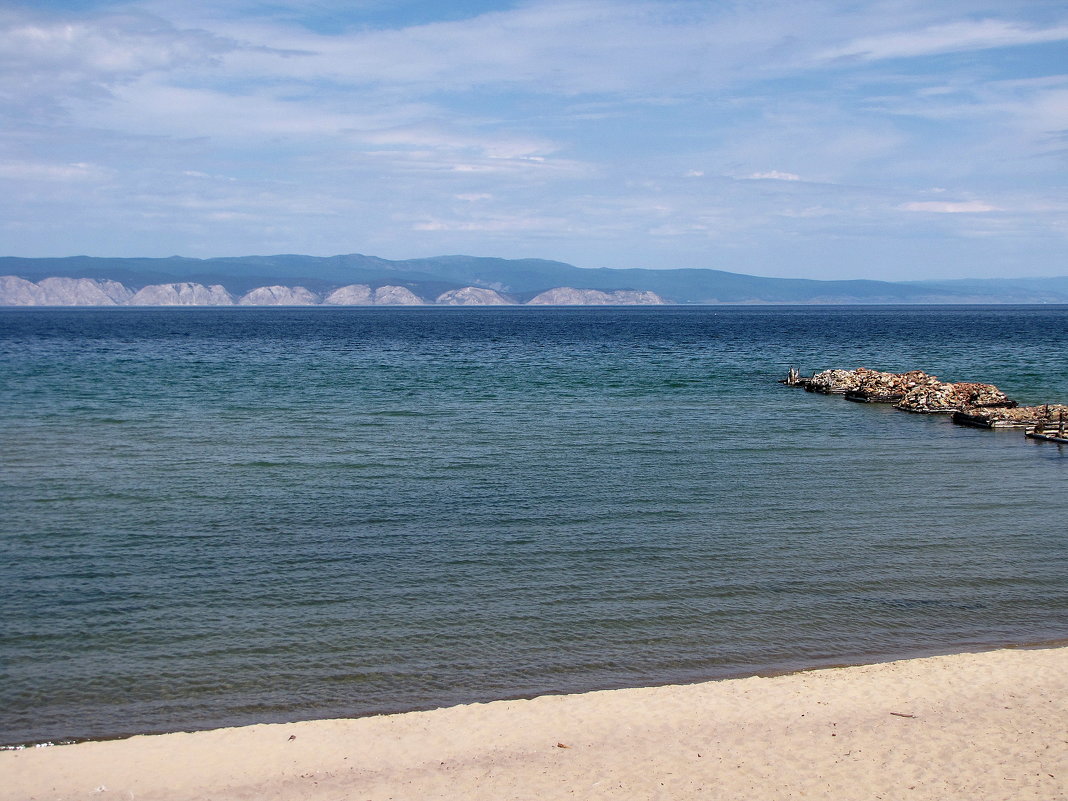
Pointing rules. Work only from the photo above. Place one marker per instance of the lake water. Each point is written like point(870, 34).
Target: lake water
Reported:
point(224, 516)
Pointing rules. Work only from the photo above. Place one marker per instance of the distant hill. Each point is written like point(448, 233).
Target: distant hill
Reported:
point(525, 278)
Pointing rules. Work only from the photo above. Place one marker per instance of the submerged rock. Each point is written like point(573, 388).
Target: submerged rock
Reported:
point(182, 294)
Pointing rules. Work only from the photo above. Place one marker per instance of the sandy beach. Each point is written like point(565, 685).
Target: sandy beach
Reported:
point(990, 725)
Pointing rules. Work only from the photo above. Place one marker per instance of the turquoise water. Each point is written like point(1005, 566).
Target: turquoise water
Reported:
point(225, 516)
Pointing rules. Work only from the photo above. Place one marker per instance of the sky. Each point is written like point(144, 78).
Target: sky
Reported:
point(890, 139)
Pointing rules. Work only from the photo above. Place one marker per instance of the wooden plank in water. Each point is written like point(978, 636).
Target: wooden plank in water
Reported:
point(987, 422)
point(1047, 437)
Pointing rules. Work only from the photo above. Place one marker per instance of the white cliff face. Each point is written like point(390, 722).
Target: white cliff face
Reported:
point(472, 296)
point(61, 292)
point(633, 297)
point(396, 296)
point(351, 295)
point(182, 294)
point(569, 296)
point(15, 291)
point(279, 296)
point(82, 292)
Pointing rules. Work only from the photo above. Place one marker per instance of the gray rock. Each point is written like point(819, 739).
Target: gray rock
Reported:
point(279, 296)
point(182, 294)
point(15, 291)
point(472, 296)
point(82, 292)
point(351, 295)
point(396, 296)
point(569, 296)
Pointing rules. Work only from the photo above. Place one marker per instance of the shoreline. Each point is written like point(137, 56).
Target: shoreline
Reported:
point(830, 663)
point(983, 724)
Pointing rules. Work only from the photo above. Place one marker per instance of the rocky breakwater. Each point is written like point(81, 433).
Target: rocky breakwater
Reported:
point(970, 403)
point(913, 391)
point(943, 398)
point(869, 386)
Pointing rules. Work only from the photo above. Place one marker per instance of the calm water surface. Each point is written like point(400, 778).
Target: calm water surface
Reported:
point(216, 517)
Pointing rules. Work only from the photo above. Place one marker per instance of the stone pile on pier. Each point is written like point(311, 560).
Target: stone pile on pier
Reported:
point(914, 391)
point(864, 384)
point(877, 387)
point(944, 398)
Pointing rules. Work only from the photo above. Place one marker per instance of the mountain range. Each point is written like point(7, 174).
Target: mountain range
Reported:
point(521, 280)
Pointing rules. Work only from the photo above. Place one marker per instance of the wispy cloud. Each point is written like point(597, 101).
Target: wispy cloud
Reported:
point(500, 224)
point(608, 132)
point(63, 58)
point(435, 137)
point(34, 171)
point(954, 37)
point(773, 175)
point(949, 207)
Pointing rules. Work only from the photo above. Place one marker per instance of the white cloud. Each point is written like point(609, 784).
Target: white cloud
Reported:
point(36, 171)
point(940, 207)
point(435, 137)
point(810, 212)
point(773, 175)
point(65, 54)
point(948, 38)
point(240, 125)
point(149, 106)
point(582, 46)
point(521, 222)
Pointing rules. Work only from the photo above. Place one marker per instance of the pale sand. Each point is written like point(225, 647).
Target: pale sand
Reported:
point(971, 726)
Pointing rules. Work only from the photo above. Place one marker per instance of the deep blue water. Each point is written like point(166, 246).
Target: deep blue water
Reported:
point(224, 516)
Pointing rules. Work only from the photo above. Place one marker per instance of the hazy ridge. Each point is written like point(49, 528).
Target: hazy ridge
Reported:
point(303, 280)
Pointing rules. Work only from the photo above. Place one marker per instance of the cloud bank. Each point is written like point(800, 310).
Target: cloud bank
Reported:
point(777, 138)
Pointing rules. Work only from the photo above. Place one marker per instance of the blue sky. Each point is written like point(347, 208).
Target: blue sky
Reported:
point(894, 140)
